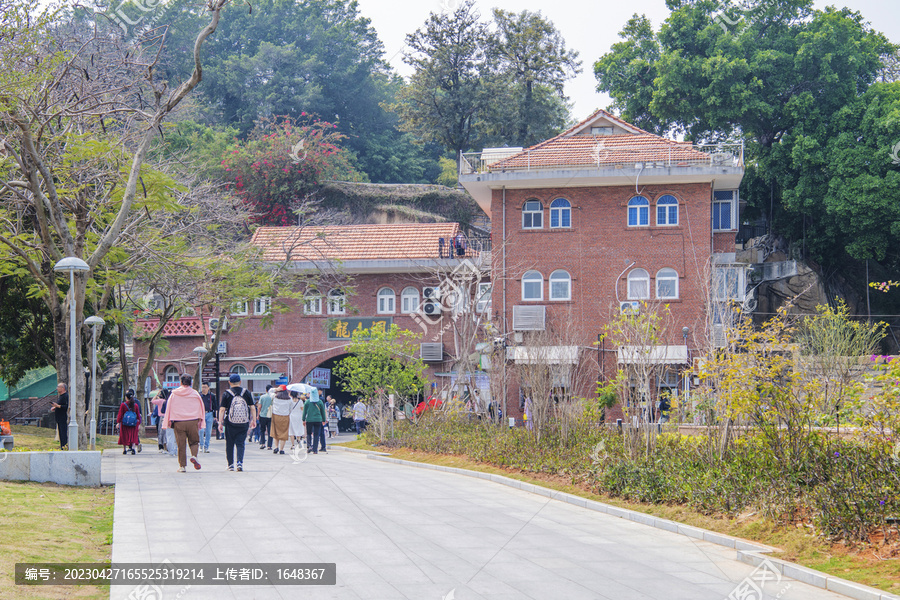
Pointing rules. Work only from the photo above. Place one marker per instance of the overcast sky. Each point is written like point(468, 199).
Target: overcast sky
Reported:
point(588, 27)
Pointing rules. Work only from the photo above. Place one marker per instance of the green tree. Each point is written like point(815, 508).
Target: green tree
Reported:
point(533, 65)
point(448, 93)
point(382, 362)
point(79, 111)
point(284, 58)
point(777, 78)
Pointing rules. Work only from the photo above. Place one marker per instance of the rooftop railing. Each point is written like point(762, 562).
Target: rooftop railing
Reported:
point(607, 156)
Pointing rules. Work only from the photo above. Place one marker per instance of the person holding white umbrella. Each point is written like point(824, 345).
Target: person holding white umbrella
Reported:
point(281, 419)
point(297, 429)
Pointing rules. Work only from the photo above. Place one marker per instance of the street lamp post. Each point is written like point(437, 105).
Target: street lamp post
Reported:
point(94, 322)
point(200, 351)
point(72, 264)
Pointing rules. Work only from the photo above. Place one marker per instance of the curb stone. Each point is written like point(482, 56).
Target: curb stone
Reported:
point(750, 553)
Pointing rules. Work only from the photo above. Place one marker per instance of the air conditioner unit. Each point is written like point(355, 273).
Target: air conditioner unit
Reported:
point(214, 324)
point(631, 307)
point(431, 293)
point(431, 307)
point(432, 352)
point(529, 318)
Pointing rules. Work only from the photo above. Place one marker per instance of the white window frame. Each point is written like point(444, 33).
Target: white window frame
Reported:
point(559, 276)
point(337, 302)
point(312, 305)
point(669, 275)
point(666, 221)
point(262, 305)
point(239, 369)
point(526, 280)
point(729, 283)
point(638, 276)
point(733, 209)
point(483, 298)
point(386, 301)
point(241, 309)
point(533, 213)
point(171, 375)
point(559, 212)
point(262, 370)
point(639, 207)
point(409, 300)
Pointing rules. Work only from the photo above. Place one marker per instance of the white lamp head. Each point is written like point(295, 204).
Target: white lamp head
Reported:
point(94, 320)
point(71, 263)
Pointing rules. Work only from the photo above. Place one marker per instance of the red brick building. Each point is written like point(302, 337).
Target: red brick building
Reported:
point(603, 216)
point(376, 275)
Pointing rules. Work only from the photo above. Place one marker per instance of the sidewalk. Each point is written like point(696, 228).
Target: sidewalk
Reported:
point(401, 532)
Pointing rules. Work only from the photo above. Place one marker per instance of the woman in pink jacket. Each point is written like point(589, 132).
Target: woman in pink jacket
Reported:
point(186, 416)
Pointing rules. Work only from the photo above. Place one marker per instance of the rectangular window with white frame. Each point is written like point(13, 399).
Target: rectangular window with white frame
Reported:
point(312, 306)
point(725, 210)
point(262, 306)
point(241, 309)
point(483, 299)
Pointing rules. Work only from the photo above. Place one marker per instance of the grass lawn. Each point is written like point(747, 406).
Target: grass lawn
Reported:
point(42, 522)
point(29, 438)
point(869, 565)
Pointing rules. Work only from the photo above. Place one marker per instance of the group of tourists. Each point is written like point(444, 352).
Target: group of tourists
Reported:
point(186, 419)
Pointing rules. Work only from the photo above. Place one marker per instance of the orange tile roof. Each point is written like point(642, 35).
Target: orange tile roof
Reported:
point(353, 242)
point(574, 149)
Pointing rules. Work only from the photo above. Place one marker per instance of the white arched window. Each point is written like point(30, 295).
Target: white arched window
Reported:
point(560, 214)
point(409, 300)
point(386, 301)
point(560, 285)
point(667, 284)
point(667, 210)
point(638, 211)
point(337, 302)
point(532, 286)
point(261, 370)
point(172, 377)
point(239, 369)
point(533, 215)
point(638, 285)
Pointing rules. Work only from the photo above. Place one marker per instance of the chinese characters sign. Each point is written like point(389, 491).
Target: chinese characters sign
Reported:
point(320, 378)
point(342, 329)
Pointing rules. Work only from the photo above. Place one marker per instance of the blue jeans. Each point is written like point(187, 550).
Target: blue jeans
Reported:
point(171, 446)
point(235, 437)
point(204, 437)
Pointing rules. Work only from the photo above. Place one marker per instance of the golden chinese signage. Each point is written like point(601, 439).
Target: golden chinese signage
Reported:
point(343, 329)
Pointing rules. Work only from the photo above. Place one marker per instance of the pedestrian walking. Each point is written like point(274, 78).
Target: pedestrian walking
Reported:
point(359, 416)
point(333, 413)
point(237, 415)
point(281, 419)
point(60, 410)
point(265, 417)
point(210, 408)
point(296, 428)
point(129, 421)
point(186, 416)
point(159, 411)
point(314, 416)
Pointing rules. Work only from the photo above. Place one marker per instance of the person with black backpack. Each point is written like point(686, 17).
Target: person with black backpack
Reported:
point(129, 421)
point(237, 414)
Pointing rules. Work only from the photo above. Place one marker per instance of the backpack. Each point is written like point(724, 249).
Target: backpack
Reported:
point(129, 419)
point(238, 412)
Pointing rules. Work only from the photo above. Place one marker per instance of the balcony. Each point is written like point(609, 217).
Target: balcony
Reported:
point(183, 327)
point(607, 156)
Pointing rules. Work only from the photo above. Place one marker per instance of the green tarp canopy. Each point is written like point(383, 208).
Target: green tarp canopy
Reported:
point(36, 383)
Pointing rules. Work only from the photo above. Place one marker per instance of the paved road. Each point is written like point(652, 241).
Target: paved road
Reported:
point(401, 532)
